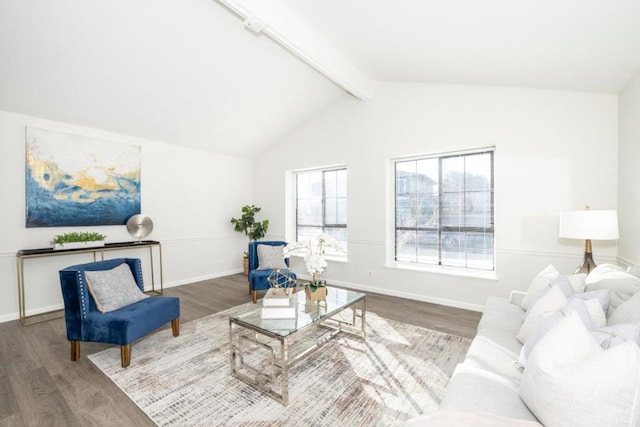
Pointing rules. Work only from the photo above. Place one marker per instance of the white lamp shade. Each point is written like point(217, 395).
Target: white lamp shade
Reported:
point(588, 224)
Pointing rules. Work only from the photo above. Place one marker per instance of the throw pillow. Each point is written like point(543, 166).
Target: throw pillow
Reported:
point(617, 334)
point(270, 257)
point(627, 312)
point(589, 312)
point(552, 301)
point(622, 285)
point(539, 286)
point(602, 295)
point(578, 281)
point(571, 381)
point(113, 289)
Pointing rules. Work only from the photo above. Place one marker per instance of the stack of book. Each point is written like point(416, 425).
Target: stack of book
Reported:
point(278, 304)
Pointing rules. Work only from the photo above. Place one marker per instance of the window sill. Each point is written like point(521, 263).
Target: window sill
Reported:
point(326, 257)
point(450, 271)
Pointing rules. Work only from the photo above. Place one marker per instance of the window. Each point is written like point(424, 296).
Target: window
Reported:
point(321, 204)
point(444, 210)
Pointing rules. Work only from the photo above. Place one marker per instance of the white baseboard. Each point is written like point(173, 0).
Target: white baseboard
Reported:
point(407, 295)
point(201, 278)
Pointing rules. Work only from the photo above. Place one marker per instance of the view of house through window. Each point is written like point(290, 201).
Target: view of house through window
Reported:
point(321, 204)
point(444, 210)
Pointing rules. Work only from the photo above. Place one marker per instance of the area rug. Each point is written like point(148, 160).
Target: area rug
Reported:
point(398, 372)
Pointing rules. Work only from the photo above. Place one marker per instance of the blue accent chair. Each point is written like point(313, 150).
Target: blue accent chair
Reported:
point(123, 326)
point(258, 278)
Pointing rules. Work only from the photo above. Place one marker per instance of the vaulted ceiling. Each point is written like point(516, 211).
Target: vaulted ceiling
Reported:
point(190, 72)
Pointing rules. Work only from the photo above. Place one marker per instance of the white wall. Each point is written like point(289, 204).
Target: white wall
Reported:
point(555, 151)
point(628, 182)
point(189, 194)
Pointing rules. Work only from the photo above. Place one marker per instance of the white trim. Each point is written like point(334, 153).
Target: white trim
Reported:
point(196, 279)
point(444, 154)
point(406, 295)
point(446, 270)
point(290, 32)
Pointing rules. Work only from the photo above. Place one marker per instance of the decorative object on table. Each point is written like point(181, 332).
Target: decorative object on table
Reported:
point(282, 279)
point(75, 240)
point(314, 250)
point(278, 303)
point(276, 297)
point(588, 225)
point(258, 273)
point(254, 230)
point(316, 293)
point(75, 180)
point(139, 226)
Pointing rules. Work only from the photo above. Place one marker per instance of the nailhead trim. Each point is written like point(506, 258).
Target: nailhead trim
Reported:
point(83, 303)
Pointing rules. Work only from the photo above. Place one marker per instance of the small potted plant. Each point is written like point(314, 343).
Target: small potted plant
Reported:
point(254, 230)
point(77, 240)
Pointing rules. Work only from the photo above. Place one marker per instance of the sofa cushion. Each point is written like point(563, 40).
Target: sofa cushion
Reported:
point(611, 336)
point(627, 312)
point(475, 419)
point(472, 390)
point(590, 313)
point(500, 314)
point(552, 301)
point(571, 381)
point(495, 351)
point(539, 286)
point(622, 285)
point(114, 288)
point(602, 295)
point(131, 322)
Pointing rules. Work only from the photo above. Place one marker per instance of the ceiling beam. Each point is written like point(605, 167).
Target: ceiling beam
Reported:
point(273, 19)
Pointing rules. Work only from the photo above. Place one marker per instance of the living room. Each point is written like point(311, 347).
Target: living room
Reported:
point(558, 146)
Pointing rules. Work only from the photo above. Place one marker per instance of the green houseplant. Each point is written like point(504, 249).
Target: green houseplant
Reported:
point(74, 240)
point(247, 224)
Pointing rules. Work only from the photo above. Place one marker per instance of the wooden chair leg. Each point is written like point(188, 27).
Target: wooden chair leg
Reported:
point(175, 326)
point(75, 351)
point(255, 297)
point(125, 355)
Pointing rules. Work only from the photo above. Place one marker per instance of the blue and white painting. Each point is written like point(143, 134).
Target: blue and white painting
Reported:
point(73, 180)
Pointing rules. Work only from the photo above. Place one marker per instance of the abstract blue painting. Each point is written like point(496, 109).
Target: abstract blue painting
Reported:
point(73, 180)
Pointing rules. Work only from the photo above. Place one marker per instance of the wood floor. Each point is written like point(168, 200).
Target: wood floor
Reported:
point(40, 386)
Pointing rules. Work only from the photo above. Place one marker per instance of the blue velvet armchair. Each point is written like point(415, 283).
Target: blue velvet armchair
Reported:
point(122, 326)
point(258, 278)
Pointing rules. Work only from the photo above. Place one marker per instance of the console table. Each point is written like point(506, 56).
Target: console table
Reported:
point(24, 254)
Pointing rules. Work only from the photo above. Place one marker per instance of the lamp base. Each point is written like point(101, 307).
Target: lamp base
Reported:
point(587, 264)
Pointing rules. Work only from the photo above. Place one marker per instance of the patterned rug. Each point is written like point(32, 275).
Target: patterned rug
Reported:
point(399, 372)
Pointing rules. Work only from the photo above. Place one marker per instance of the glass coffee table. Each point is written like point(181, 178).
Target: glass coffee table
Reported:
point(281, 340)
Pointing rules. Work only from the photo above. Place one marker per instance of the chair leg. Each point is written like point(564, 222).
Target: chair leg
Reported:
point(125, 355)
point(249, 288)
point(255, 297)
point(175, 326)
point(75, 351)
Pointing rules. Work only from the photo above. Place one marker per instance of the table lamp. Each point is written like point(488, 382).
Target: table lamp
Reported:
point(588, 225)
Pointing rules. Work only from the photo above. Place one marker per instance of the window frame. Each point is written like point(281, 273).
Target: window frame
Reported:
point(324, 225)
point(439, 265)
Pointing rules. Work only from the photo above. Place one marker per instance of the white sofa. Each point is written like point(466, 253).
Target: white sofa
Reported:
point(486, 388)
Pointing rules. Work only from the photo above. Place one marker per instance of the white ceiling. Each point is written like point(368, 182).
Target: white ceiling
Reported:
point(188, 72)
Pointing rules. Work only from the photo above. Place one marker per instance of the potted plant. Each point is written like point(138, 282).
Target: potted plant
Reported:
point(251, 228)
point(77, 240)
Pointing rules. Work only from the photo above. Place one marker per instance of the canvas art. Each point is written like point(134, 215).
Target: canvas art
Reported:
point(73, 180)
